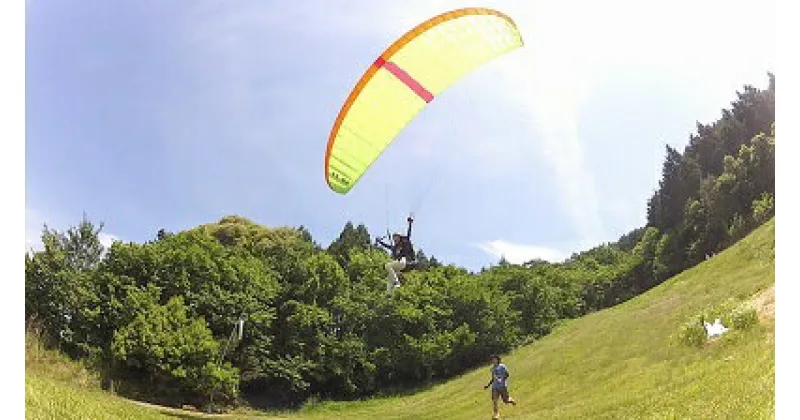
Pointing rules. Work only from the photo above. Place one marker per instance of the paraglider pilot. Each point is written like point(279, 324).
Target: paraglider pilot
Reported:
point(402, 256)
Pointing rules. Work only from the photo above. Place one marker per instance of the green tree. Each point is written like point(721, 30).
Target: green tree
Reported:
point(349, 239)
point(176, 354)
point(57, 280)
point(764, 208)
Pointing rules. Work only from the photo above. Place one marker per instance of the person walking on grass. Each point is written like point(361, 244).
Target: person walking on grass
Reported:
point(499, 384)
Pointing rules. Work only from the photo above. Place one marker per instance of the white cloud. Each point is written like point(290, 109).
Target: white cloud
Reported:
point(107, 239)
point(519, 253)
point(550, 72)
point(571, 49)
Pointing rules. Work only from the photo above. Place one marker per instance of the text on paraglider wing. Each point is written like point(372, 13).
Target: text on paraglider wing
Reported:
point(339, 177)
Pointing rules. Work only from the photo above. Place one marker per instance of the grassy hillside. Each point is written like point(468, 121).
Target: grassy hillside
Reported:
point(624, 362)
point(627, 362)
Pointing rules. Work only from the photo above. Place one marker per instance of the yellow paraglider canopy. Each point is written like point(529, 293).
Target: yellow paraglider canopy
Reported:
point(407, 76)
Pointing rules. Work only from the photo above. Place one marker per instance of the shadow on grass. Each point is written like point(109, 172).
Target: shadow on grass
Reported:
point(179, 415)
point(192, 415)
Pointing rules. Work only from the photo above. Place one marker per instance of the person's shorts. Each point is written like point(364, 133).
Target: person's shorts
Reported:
point(500, 392)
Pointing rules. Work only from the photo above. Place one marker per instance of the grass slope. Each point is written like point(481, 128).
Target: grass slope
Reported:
point(626, 362)
point(623, 362)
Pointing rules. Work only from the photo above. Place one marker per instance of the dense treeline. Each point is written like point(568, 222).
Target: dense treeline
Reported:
point(160, 319)
point(716, 192)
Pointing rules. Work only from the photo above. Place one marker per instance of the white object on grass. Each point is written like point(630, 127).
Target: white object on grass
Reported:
point(716, 329)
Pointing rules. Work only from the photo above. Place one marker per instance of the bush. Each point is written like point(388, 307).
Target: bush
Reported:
point(744, 317)
point(693, 333)
point(739, 227)
point(764, 208)
point(732, 314)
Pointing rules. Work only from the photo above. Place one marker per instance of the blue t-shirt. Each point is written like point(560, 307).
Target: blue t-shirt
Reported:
point(499, 376)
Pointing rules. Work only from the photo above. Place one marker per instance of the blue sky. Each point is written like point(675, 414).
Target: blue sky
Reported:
point(149, 114)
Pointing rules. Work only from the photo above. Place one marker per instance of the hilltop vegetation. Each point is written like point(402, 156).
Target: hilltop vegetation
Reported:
point(155, 319)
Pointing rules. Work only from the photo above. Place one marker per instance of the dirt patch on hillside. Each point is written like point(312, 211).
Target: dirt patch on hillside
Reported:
point(765, 304)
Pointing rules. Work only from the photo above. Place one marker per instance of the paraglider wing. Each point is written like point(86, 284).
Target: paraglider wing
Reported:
point(406, 77)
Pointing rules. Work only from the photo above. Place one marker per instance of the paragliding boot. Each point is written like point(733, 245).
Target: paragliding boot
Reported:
point(392, 277)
